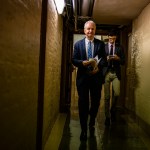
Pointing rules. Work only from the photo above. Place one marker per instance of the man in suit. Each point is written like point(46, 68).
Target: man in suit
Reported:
point(89, 77)
point(115, 58)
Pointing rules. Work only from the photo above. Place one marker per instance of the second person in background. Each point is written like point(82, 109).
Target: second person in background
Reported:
point(115, 58)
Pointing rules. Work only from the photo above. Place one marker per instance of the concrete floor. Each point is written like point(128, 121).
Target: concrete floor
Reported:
point(125, 134)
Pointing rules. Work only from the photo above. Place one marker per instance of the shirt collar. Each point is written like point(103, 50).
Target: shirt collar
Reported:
point(109, 44)
point(89, 40)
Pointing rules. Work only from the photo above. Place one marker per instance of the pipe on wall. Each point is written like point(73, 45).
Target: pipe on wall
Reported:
point(74, 2)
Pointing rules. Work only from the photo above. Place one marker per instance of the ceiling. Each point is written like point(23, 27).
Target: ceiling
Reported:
point(106, 13)
point(119, 12)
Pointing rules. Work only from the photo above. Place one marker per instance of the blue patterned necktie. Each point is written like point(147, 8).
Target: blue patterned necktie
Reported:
point(89, 50)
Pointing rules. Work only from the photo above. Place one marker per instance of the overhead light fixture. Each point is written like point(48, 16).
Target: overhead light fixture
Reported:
point(60, 4)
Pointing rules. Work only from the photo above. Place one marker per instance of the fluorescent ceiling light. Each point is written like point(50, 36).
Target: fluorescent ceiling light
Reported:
point(60, 4)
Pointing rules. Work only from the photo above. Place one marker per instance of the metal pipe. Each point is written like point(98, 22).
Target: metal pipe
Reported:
point(74, 2)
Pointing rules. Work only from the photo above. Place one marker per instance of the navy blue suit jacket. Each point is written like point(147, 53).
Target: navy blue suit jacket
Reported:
point(79, 55)
point(119, 51)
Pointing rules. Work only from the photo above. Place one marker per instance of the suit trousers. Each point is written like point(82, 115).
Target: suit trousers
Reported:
point(111, 92)
point(89, 100)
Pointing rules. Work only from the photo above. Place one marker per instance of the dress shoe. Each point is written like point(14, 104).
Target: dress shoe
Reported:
point(83, 136)
point(107, 121)
point(92, 131)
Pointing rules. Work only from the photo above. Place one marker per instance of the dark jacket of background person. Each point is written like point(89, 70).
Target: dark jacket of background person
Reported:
point(119, 51)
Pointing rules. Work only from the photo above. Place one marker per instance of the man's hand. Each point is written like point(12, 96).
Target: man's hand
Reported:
point(92, 63)
point(86, 63)
point(114, 57)
point(95, 70)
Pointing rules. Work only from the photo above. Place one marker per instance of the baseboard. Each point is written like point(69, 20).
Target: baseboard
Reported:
point(56, 133)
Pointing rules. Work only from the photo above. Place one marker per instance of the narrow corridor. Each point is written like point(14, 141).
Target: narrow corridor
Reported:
point(37, 77)
point(125, 134)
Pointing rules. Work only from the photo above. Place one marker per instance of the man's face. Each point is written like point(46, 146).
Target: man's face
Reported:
point(112, 39)
point(89, 30)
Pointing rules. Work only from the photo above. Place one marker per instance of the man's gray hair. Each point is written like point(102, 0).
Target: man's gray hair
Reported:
point(90, 21)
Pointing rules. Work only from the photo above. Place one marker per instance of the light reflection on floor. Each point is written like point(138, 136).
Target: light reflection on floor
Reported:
point(122, 135)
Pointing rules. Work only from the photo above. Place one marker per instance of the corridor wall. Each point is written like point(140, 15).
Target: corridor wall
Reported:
point(139, 72)
point(52, 69)
point(19, 64)
point(20, 29)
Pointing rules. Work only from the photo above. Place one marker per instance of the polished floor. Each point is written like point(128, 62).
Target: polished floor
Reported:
point(124, 134)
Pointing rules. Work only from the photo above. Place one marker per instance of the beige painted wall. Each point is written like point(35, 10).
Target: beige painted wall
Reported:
point(19, 61)
point(140, 62)
point(19, 70)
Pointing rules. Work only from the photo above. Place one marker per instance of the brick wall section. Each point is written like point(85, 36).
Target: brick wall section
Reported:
point(52, 69)
point(19, 61)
